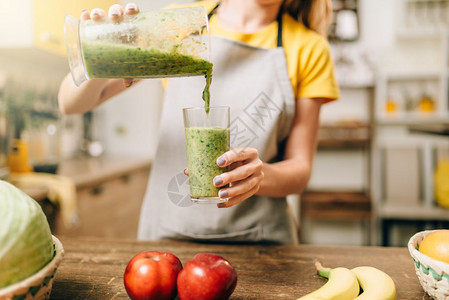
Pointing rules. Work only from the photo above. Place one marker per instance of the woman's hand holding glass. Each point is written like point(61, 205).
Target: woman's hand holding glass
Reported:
point(244, 177)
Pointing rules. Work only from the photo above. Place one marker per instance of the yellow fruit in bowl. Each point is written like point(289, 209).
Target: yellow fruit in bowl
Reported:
point(436, 245)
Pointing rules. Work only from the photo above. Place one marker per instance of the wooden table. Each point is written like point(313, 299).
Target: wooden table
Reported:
point(93, 268)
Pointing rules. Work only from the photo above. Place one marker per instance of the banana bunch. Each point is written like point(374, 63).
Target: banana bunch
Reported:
point(360, 283)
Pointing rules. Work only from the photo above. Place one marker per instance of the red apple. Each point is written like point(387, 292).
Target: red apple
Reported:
point(152, 275)
point(206, 276)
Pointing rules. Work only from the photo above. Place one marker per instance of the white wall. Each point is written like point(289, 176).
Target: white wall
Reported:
point(129, 123)
point(16, 23)
point(377, 20)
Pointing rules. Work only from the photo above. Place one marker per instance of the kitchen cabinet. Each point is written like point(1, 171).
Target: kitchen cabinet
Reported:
point(413, 86)
point(412, 90)
point(413, 96)
point(93, 268)
point(109, 190)
point(40, 22)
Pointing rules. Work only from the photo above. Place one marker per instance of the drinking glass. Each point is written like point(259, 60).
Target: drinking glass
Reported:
point(207, 137)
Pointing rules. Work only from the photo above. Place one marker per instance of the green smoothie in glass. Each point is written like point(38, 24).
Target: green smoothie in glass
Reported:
point(207, 137)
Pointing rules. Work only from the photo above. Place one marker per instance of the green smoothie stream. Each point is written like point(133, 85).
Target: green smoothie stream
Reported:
point(204, 145)
point(108, 60)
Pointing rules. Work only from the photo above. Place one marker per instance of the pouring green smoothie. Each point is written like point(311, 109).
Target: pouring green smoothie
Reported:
point(153, 44)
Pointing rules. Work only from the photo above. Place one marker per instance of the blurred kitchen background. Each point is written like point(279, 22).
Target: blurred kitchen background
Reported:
point(381, 171)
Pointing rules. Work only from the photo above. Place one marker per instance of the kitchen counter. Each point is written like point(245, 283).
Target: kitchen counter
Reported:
point(103, 184)
point(37, 193)
point(93, 268)
point(88, 171)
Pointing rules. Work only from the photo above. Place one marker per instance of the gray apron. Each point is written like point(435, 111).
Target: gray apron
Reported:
point(255, 84)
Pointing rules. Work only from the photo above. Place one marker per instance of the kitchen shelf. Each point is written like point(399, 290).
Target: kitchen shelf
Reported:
point(344, 136)
point(407, 76)
point(436, 129)
point(336, 205)
point(422, 216)
point(425, 1)
point(413, 19)
point(407, 34)
point(349, 85)
point(410, 211)
point(412, 119)
point(344, 143)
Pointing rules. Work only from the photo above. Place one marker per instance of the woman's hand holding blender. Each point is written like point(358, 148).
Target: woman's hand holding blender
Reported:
point(115, 14)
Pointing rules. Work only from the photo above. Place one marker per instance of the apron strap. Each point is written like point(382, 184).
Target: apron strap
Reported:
point(278, 19)
point(212, 12)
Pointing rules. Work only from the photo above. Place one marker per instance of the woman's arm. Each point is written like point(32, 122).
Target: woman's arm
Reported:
point(88, 95)
point(291, 175)
point(249, 176)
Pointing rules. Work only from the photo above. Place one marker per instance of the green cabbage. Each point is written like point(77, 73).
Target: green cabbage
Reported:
point(26, 244)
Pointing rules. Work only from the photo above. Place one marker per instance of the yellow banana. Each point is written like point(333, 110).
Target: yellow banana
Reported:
point(376, 284)
point(342, 284)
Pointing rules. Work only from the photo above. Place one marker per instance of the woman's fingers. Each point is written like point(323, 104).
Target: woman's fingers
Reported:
point(244, 176)
point(237, 154)
point(242, 187)
point(240, 198)
point(85, 14)
point(239, 169)
point(239, 173)
point(97, 14)
point(115, 12)
point(131, 9)
point(130, 81)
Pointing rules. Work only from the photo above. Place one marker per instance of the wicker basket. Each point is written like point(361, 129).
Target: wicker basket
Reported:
point(432, 274)
point(37, 286)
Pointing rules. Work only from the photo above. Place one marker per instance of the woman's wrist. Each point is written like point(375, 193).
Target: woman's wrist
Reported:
point(284, 178)
point(73, 99)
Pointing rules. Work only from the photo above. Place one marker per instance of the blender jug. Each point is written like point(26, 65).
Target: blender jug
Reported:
point(152, 44)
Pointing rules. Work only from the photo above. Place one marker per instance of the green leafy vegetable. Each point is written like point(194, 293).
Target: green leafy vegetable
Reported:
point(26, 244)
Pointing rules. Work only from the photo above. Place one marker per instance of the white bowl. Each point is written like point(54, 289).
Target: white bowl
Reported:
point(432, 274)
point(38, 285)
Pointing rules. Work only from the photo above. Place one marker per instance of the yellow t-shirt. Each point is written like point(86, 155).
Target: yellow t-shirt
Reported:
point(309, 63)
